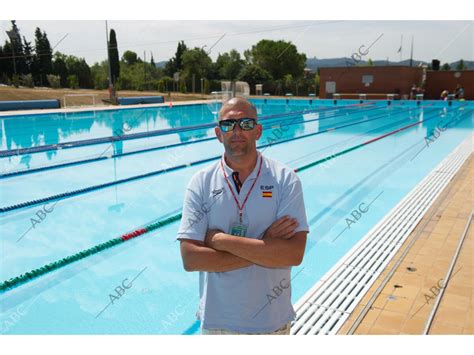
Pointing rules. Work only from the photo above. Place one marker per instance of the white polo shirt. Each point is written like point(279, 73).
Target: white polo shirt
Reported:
point(252, 299)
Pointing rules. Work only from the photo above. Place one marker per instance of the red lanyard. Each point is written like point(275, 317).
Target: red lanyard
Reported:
point(241, 208)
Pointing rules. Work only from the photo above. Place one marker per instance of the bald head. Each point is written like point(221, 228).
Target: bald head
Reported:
point(236, 106)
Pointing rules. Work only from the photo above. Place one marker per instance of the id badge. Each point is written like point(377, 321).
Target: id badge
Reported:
point(238, 229)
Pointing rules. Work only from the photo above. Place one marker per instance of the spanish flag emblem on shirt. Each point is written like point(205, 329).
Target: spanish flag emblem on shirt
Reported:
point(267, 194)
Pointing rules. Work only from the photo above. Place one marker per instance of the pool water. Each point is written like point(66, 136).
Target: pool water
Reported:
point(140, 286)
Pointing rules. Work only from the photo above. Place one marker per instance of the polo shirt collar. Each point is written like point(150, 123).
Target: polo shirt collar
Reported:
point(253, 174)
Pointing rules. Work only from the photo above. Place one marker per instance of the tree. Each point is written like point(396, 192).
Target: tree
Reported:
point(152, 61)
point(29, 56)
point(461, 65)
point(196, 61)
point(446, 66)
point(60, 69)
point(370, 63)
point(175, 64)
point(229, 65)
point(44, 57)
point(3, 66)
point(99, 73)
point(288, 81)
point(277, 57)
point(72, 81)
point(7, 61)
point(16, 43)
point(78, 68)
point(130, 57)
point(114, 57)
point(253, 74)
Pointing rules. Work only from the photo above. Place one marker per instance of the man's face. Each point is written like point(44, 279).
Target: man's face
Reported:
point(239, 142)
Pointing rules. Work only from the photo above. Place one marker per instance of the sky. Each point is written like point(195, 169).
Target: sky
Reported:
point(447, 41)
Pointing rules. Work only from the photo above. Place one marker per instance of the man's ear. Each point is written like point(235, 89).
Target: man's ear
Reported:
point(259, 131)
point(218, 133)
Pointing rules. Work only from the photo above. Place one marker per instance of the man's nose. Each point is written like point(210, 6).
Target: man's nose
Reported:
point(237, 129)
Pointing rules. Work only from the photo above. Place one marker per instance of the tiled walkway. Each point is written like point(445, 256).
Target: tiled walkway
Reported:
point(405, 303)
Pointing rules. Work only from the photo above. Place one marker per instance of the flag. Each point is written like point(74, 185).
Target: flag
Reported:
point(267, 194)
point(399, 49)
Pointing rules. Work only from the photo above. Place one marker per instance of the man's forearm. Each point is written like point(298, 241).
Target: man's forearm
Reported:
point(207, 259)
point(266, 252)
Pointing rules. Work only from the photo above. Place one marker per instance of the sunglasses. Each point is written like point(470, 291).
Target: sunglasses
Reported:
point(245, 124)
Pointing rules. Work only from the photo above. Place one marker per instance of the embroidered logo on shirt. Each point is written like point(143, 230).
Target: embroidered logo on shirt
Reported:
point(217, 192)
point(267, 194)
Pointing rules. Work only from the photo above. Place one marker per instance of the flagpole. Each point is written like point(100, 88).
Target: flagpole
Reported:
point(111, 85)
point(411, 53)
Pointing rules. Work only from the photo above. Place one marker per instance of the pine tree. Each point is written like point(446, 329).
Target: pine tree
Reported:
point(29, 56)
point(152, 62)
point(43, 64)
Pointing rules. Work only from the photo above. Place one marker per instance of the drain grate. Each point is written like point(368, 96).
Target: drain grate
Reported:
point(328, 304)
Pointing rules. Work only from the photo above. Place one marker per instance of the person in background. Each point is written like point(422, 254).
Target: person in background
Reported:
point(459, 92)
point(444, 95)
point(413, 92)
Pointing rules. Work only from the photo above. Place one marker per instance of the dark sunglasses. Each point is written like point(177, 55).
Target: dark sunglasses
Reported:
point(245, 124)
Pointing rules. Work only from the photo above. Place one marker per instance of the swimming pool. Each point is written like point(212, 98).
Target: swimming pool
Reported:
point(74, 181)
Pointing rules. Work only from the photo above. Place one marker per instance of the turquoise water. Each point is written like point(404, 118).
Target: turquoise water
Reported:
point(163, 298)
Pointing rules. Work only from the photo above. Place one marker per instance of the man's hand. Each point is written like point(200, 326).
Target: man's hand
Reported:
point(210, 237)
point(283, 228)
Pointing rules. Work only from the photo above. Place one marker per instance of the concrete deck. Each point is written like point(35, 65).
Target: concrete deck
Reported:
point(405, 303)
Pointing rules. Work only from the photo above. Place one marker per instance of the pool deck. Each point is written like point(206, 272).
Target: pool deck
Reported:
point(404, 305)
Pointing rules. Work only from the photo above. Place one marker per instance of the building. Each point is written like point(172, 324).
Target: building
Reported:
point(376, 82)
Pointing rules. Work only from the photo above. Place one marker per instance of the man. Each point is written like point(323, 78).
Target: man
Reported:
point(243, 227)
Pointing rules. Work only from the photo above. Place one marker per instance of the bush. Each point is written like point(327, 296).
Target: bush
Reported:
point(54, 81)
point(4, 78)
point(27, 80)
point(182, 86)
point(73, 81)
point(15, 80)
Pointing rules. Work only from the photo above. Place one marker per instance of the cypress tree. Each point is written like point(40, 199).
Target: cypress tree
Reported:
point(114, 57)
